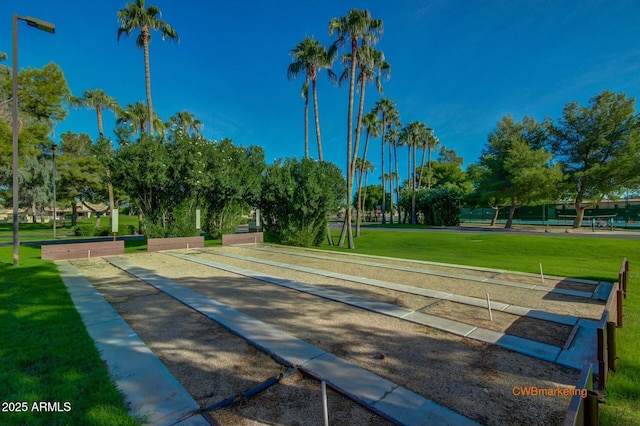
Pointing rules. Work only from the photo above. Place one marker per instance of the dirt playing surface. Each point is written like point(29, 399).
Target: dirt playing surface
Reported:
point(472, 378)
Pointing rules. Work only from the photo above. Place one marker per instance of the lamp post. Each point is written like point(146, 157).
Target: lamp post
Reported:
point(50, 28)
point(53, 153)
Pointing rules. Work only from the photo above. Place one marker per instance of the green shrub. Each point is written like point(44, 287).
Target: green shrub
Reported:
point(297, 198)
point(84, 230)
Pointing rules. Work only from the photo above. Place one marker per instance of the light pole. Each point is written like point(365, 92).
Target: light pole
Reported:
point(50, 28)
point(53, 153)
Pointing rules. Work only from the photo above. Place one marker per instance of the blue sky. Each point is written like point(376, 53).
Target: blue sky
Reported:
point(458, 66)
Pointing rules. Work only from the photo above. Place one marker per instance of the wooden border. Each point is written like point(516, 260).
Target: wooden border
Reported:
point(576, 414)
point(81, 250)
point(246, 238)
point(157, 244)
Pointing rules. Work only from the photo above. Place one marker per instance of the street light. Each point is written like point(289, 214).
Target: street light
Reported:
point(53, 154)
point(50, 28)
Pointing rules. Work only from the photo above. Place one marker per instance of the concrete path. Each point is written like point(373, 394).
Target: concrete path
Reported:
point(547, 289)
point(521, 345)
point(151, 392)
point(386, 398)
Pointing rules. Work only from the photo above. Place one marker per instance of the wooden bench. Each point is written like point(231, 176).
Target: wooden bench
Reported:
point(81, 250)
point(246, 238)
point(157, 244)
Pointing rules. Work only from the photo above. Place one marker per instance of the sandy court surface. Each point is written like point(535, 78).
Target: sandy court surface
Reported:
point(472, 378)
point(550, 302)
point(213, 363)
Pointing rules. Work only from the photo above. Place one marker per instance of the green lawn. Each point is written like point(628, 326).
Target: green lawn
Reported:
point(560, 255)
point(46, 352)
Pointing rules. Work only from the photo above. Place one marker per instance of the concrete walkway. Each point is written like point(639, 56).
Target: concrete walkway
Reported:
point(386, 398)
point(151, 392)
point(573, 358)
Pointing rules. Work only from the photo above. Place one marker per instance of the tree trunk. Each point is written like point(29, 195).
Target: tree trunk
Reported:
point(496, 211)
point(384, 202)
point(429, 169)
point(577, 222)
point(360, 201)
point(390, 186)
point(397, 180)
point(100, 126)
point(354, 60)
point(147, 75)
point(424, 152)
point(33, 210)
point(317, 118)
point(512, 210)
point(306, 122)
point(74, 214)
point(413, 196)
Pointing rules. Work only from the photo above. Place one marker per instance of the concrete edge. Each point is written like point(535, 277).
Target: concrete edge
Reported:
point(151, 391)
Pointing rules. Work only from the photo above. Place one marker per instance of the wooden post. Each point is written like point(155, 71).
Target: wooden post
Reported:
point(611, 345)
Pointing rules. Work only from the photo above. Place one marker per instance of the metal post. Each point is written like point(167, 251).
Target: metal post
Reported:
point(14, 115)
point(44, 26)
point(55, 216)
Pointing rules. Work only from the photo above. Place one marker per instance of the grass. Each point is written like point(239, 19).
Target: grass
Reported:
point(576, 257)
point(46, 352)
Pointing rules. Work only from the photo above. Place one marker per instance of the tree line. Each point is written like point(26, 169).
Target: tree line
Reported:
point(165, 170)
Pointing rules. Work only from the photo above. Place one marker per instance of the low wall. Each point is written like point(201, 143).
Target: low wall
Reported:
point(246, 238)
point(157, 244)
point(81, 250)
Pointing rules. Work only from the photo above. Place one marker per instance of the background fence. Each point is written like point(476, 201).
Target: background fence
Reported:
point(625, 213)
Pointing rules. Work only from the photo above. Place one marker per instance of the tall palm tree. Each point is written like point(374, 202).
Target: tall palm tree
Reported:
point(432, 143)
point(372, 125)
point(356, 26)
point(99, 101)
point(372, 66)
point(388, 113)
point(136, 17)
point(392, 138)
point(412, 134)
point(311, 58)
point(186, 122)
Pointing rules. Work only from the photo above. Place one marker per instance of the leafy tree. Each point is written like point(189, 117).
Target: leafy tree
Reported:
point(517, 167)
point(230, 184)
point(79, 171)
point(598, 147)
point(136, 17)
point(296, 199)
point(311, 58)
point(36, 183)
point(357, 25)
point(440, 206)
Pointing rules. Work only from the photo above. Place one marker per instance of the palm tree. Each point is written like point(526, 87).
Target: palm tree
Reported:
point(432, 143)
point(186, 122)
point(357, 25)
point(135, 116)
point(412, 134)
point(372, 125)
point(311, 57)
point(362, 167)
point(136, 17)
point(387, 109)
point(99, 101)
